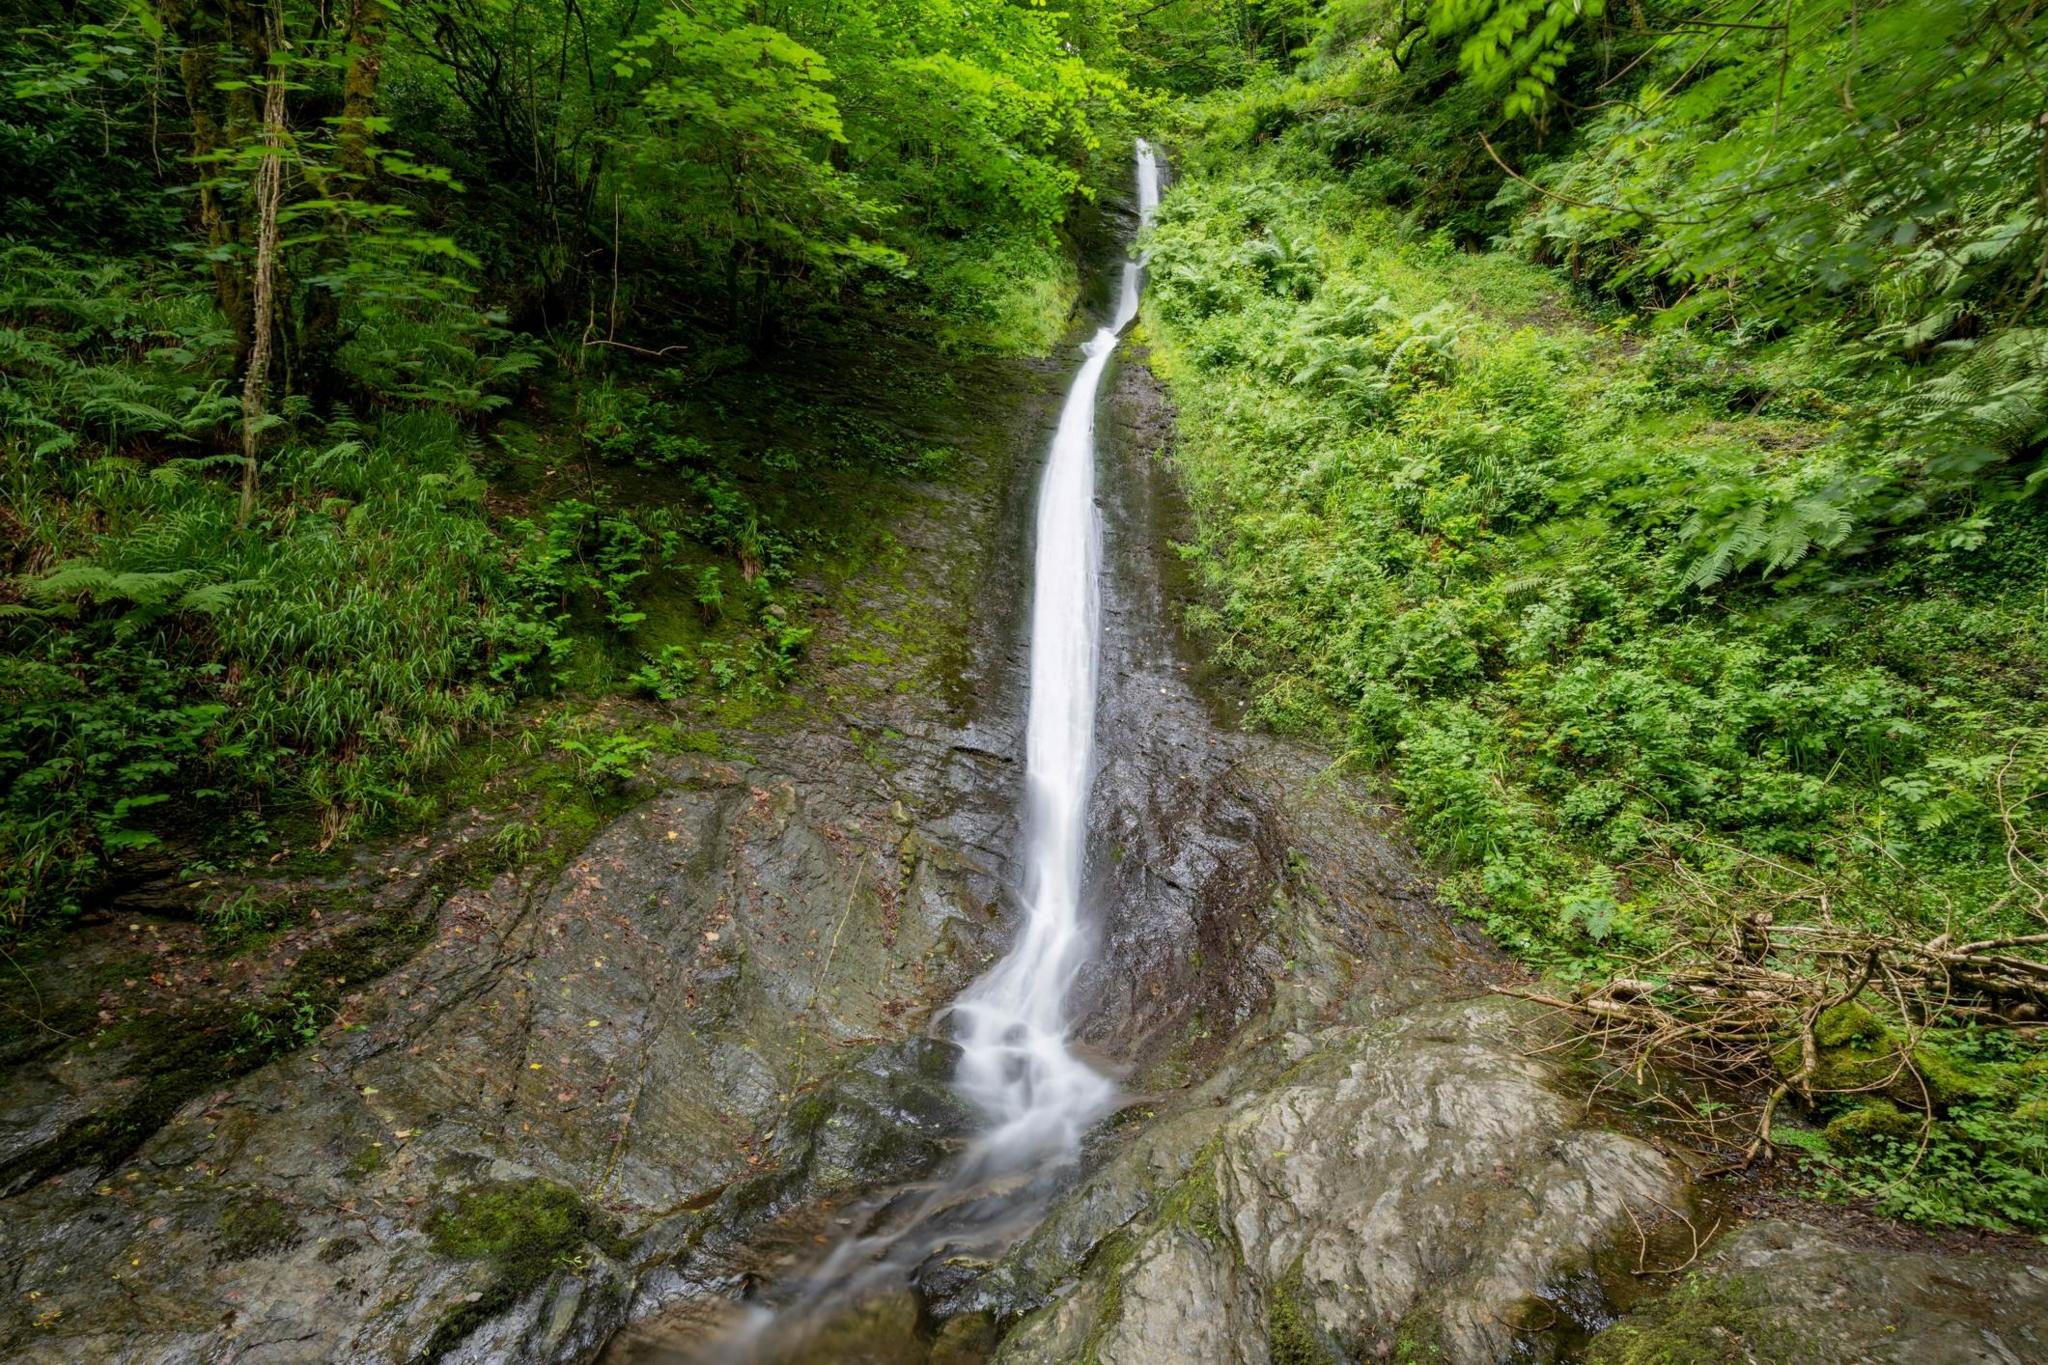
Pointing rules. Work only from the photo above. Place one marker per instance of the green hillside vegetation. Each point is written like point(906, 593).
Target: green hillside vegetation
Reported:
point(1660, 505)
point(364, 376)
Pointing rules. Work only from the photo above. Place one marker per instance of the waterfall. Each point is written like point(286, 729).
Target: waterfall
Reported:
point(1012, 1024)
point(1015, 1063)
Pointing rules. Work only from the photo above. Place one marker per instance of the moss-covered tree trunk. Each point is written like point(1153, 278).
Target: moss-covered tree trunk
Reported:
point(367, 20)
point(222, 53)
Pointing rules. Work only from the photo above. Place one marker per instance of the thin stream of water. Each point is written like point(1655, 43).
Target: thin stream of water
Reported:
point(1038, 1096)
point(1012, 1024)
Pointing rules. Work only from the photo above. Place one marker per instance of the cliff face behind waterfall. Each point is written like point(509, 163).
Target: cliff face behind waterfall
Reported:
point(1314, 680)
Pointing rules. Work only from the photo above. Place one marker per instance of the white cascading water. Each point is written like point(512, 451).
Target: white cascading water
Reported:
point(1015, 1060)
point(1011, 1025)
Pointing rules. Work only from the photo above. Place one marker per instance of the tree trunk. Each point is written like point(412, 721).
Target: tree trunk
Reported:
point(269, 190)
point(366, 24)
point(208, 33)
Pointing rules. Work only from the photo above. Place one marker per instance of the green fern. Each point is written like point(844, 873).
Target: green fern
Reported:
point(1740, 527)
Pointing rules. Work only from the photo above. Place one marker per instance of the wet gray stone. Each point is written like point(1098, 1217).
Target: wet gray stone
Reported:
point(1786, 1291)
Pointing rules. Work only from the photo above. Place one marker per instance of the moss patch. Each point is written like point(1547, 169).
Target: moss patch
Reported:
point(1194, 1203)
point(367, 1161)
point(1703, 1321)
point(253, 1228)
point(526, 1229)
point(1107, 1268)
point(1419, 1338)
point(1953, 1080)
point(1870, 1124)
point(511, 1223)
point(1293, 1337)
point(1847, 1024)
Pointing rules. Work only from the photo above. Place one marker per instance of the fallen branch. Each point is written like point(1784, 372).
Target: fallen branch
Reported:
point(1746, 1016)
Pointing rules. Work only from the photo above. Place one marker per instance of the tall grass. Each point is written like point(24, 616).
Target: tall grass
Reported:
point(325, 656)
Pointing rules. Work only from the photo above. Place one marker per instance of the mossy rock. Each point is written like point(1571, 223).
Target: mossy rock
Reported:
point(1848, 1025)
point(368, 1160)
point(1847, 1067)
point(1952, 1081)
point(1704, 1321)
point(253, 1228)
point(1419, 1338)
point(1871, 1125)
point(2034, 1114)
point(183, 1057)
point(527, 1229)
point(1293, 1336)
point(1194, 1202)
point(1858, 1053)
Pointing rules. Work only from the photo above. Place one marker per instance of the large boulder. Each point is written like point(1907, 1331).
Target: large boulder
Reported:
point(1419, 1184)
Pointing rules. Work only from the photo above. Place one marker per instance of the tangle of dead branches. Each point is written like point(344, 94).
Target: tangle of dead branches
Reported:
point(1742, 1017)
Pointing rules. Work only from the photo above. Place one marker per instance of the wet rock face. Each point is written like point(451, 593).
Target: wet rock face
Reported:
point(658, 1024)
point(1184, 853)
point(1432, 1167)
point(1197, 825)
point(1416, 1183)
point(720, 1010)
point(1787, 1291)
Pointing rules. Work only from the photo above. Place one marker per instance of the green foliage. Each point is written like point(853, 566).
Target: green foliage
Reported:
point(1651, 623)
point(606, 762)
point(1867, 171)
point(91, 740)
point(743, 108)
point(1518, 44)
point(1957, 1139)
point(157, 650)
point(230, 919)
point(581, 556)
point(72, 86)
point(294, 1023)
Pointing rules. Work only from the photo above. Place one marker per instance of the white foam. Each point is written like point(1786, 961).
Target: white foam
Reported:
point(1012, 1024)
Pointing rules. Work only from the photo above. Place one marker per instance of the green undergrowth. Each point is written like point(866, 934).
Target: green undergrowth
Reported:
point(1573, 578)
point(180, 685)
